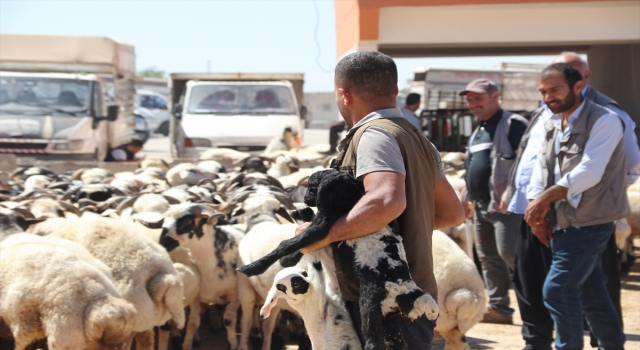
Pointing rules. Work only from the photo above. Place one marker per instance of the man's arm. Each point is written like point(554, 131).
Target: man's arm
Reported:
point(630, 145)
point(383, 201)
point(449, 210)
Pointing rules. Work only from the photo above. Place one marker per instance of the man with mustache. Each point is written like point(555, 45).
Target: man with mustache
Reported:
point(533, 257)
point(578, 190)
point(490, 155)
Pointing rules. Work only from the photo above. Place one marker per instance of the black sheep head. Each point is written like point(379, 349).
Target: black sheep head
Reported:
point(182, 223)
point(333, 192)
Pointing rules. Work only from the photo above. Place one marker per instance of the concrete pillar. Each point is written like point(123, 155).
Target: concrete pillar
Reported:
point(616, 73)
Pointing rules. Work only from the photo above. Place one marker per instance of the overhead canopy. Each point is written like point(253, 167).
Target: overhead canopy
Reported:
point(66, 54)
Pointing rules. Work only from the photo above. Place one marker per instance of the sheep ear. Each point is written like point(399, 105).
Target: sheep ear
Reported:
point(285, 215)
point(213, 219)
point(150, 222)
point(270, 303)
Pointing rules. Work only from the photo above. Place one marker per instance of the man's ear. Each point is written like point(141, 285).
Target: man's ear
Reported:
point(495, 96)
point(579, 86)
point(346, 96)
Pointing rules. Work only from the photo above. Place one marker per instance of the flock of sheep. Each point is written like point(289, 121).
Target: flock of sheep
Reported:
point(96, 260)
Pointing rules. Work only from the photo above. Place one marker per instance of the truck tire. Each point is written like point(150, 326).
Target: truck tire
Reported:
point(164, 128)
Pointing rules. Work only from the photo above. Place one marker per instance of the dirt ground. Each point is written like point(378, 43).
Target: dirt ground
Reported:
point(507, 337)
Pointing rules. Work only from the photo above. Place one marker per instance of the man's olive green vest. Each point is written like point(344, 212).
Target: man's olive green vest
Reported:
point(416, 222)
point(607, 200)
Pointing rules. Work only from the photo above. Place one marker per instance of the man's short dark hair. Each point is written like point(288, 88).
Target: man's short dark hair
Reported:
point(571, 74)
point(368, 74)
point(136, 143)
point(412, 99)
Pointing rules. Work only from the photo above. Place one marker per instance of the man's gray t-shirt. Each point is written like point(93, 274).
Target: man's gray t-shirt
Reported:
point(379, 151)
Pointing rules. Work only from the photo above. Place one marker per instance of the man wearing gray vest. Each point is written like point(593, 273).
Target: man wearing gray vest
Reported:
point(533, 258)
point(490, 155)
point(578, 189)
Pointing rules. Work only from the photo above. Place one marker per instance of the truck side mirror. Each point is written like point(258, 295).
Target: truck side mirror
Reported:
point(303, 112)
point(177, 110)
point(112, 113)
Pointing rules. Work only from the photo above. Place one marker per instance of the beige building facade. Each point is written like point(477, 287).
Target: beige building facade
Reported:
point(607, 31)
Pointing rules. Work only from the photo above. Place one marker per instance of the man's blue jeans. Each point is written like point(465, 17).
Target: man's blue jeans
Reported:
point(576, 284)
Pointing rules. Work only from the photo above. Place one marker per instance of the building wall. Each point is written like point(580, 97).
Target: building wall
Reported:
point(615, 71)
point(322, 109)
point(361, 24)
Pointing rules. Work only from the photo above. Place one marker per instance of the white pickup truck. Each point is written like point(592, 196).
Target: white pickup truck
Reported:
point(240, 111)
point(54, 103)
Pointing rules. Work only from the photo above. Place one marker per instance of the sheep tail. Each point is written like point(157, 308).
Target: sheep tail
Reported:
point(468, 307)
point(167, 289)
point(110, 322)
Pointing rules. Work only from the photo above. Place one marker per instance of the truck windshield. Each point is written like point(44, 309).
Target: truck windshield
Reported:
point(241, 99)
point(34, 95)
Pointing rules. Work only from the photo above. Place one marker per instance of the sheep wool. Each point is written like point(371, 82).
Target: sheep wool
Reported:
point(47, 291)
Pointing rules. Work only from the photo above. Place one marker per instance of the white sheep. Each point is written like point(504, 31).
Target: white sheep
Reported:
point(154, 162)
point(142, 269)
point(263, 237)
point(326, 319)
point(211, 166)
point(225, 156)
point(91, 175)
point(47, 290)
point(284, 143)
point(187, 173)
point(462, 296)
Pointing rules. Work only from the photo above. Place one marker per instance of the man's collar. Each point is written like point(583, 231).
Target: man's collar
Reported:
point(495, 118)
point(379, 114)
point(584, 89)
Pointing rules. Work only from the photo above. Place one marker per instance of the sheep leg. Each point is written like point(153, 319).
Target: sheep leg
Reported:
point(268, 325)
point(455, 340)
point(393, 334)
point(215, 318)
point(145, 340)
point(230, 319)
point(193, 323)
point(373, 329)
point(417, 303)
point(291, 259)
point(164, 335)
point(255, 326)
point(247, 297)
point(312, 234)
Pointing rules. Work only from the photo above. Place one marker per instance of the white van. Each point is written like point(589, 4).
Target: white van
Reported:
point(244, 115)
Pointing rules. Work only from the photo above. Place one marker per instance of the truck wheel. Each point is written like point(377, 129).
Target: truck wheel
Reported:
point(164, 129)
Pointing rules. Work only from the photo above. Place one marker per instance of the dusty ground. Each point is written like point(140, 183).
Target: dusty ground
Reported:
point(508, 337)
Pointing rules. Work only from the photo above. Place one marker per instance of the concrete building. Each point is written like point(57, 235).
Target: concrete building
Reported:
point(607, 31)
point(322, 109)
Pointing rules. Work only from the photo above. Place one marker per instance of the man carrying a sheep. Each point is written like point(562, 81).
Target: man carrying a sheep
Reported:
point(399, 169)
point(578, 191)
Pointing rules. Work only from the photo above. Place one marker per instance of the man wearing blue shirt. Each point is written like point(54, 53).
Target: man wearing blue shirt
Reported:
point(578, 190)
point(533, 259)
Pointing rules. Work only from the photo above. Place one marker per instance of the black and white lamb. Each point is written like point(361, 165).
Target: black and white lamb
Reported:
point(377, 262)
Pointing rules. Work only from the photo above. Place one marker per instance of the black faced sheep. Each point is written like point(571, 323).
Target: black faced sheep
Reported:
point(376, 262)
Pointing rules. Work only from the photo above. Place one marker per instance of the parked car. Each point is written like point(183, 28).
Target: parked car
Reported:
point(153, 107)
point(143, 132)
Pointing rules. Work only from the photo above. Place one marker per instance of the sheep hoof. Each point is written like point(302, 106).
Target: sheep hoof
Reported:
point(176, 343)
point(424, 305)
point(252, 269)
